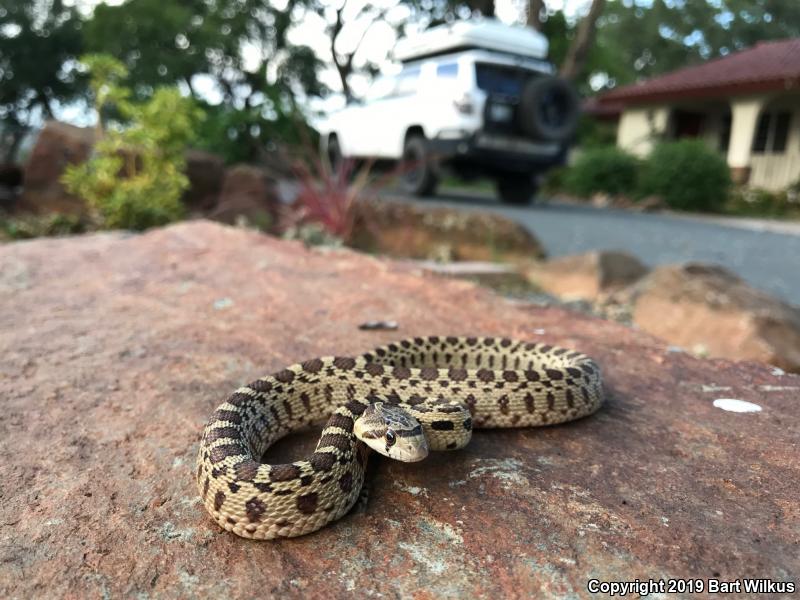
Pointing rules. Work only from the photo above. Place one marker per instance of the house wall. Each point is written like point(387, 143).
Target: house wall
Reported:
point(640, 127)
point(776, 171)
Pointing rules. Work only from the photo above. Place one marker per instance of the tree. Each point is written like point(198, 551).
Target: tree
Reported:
point(38, 47)
point(582, 42)
point(533, 16)
point(240, 47)
point(135, 178)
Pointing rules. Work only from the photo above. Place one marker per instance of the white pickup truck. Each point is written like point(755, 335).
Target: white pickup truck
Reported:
point(477, 97)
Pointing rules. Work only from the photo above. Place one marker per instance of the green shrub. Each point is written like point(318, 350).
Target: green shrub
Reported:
point(135, 178)
point(32, 226)
point(762, 203)
point(688, 175)
point(605, 169)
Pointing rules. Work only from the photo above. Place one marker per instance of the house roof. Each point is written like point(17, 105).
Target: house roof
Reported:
point(767, 66)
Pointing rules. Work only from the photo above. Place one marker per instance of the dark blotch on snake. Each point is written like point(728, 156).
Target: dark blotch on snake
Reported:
point(374, 369)
point(355, 407)
point(442, 425)
point(345, 363)
point(219, 499)
point(531, 375)
point(231, 416)
point(337, 440)
point(485, 375)
point(254, 508)
point(322, 461)
point(220, 453)
point(428, 373)
point(574, 372)
point(554, 374)
point(261, 386)
point(312, 366)
point(346, 482)
point(246, 470)
point(401, 372)
point(307, 503)
point(457, 374)
point(341, 421)
point(285, 376)
point(238, 399)
point(284, 472)
point(221, 433)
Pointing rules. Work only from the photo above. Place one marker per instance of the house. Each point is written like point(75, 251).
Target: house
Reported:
point(746, 105)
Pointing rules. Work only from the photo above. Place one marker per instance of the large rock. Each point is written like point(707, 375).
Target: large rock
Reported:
point(248, 193)
point(57, 146)
point(589, 276)
point(117, 348)
point(445, 234)
point(708, 309)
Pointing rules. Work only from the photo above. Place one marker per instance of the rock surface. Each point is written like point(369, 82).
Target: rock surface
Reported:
point(117, 348)
point(709, 310)
point(57, 146)
point(587, 276)
point(206, 172)
point(443, 234)
point(247, 193)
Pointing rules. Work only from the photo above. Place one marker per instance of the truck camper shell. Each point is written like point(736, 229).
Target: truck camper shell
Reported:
point(482, 34)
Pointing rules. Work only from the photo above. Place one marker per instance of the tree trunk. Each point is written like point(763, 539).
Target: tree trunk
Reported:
point(579, 49)
point(535, 9)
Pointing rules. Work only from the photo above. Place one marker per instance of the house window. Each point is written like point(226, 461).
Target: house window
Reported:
point(772, 132)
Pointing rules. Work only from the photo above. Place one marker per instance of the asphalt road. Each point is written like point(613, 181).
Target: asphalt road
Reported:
point(765, 254)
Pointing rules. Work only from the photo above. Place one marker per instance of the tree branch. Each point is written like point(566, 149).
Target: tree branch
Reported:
point(579, 49)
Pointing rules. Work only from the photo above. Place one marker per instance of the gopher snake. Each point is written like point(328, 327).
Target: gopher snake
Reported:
point(447, 384)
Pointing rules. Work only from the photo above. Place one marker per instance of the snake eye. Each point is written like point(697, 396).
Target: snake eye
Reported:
point(391, 438)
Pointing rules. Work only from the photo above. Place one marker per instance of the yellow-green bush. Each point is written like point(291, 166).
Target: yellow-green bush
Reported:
point(135, 177)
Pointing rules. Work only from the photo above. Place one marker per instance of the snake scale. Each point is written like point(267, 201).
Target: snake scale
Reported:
point(399, 399)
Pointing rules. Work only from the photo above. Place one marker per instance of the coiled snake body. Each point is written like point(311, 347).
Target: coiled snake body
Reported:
point(399, 399)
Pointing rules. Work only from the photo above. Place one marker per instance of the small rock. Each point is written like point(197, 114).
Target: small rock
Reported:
point(57, 146)
point(206, 172)
point(587, 276)
point(247, 191)
point(706, 308)
point(406, 231)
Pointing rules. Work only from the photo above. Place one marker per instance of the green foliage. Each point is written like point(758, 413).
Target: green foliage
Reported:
point(248, 134)
point(637, 39)
point(604, 169)
point(688, 175)
point(135, 178)
point(762, 203)
point(238, 48)
point(32, 226)
point(37, 45)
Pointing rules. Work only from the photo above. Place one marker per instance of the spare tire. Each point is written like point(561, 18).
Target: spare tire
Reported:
point(549, 109)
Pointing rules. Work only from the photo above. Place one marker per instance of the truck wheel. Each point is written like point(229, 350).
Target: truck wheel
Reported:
point(418, 176)
point(549, 109)
point(516, 189)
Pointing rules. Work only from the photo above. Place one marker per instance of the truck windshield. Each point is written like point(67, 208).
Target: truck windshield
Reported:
point(500, 79)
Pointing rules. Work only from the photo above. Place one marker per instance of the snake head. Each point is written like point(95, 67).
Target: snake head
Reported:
point(391, 431)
